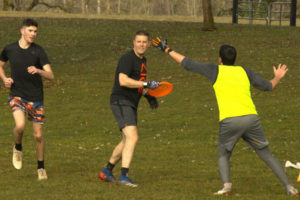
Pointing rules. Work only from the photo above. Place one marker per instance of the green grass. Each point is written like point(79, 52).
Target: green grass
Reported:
point(176, 157)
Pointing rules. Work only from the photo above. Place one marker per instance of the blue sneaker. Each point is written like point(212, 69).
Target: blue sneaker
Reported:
point(124, 180)
point(106, 175)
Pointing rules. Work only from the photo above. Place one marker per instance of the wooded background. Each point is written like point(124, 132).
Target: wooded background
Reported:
point(115, 7)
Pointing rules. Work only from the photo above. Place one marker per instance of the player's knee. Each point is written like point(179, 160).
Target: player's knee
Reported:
point(38, 138)
point(133, 138)
point(223, 151)
point(19, 128)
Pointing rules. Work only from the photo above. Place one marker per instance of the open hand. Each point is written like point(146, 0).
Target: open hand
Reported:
point(280, 71)
point(158, 43)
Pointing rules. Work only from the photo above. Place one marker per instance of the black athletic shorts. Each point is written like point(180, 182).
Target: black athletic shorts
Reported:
point(125, 115)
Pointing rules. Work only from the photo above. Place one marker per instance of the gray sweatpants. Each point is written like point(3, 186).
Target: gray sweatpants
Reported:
point(249, 128)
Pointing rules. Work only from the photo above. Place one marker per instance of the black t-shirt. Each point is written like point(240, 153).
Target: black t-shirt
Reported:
point(135, 68)
point(27, 86)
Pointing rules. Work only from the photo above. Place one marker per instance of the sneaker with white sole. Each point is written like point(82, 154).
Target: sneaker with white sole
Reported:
point(125, 180)
point(225, 190)
point(42, 175)
point(17, 158)
point(291, 191)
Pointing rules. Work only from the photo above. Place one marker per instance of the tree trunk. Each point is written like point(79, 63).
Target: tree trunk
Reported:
point(168, 7)
point(147, 7)
point(108, 7)
point(194, 7)
point(119, 6)
point(83, 6)
point(18, 5)
point(98, 7)
point(208, 19)
point(131, 7)
point(187, 6)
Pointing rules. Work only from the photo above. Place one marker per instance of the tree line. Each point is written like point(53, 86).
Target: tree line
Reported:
point(115, 7)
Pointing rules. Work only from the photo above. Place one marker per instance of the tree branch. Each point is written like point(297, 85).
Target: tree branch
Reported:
point(37, 2)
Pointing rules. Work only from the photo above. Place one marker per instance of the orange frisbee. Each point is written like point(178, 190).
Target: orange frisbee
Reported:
point(163, 89)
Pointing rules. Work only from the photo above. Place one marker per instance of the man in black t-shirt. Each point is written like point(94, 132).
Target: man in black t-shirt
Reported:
point(28, 64)
point(130, 81)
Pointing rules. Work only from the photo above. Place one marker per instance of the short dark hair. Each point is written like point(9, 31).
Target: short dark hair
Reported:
point(29, 22)
point(227, 54)
point(142, 32)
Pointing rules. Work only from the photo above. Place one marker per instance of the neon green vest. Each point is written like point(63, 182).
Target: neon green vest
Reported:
point(232, 89)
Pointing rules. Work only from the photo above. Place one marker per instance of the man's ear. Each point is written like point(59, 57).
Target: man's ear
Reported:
point(220, 61)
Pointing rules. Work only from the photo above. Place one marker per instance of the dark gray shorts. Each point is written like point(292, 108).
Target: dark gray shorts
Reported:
point(125, 115)
point(247, 127)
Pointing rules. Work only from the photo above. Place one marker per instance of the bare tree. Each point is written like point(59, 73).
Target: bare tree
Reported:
point(147, 6)
point(131, 7)
point(208, 19)
point(99, 7)
point(108, 6)
point(168, 7)
point(119, 6)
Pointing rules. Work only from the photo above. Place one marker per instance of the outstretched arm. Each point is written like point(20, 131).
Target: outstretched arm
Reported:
point(208, 70)
point(163, 46)
point(177, 56)
point(279, 73)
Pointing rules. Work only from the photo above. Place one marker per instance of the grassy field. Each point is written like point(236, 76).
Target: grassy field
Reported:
point(176, 157)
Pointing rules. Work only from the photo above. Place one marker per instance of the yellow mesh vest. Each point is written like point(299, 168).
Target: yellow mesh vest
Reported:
point(232, 89)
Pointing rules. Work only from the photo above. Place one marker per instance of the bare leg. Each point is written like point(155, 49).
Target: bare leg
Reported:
point(131, 138)
point(19, 117)
point(117, 153)
point(40, 143)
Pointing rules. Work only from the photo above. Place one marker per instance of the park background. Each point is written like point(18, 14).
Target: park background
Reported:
point(176, 156)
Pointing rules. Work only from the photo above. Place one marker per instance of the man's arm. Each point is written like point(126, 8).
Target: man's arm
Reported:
point(208, 70)
point(279, 73)
point(126, 81)
point(7, 81)
point(176, 56)
point(46, 72)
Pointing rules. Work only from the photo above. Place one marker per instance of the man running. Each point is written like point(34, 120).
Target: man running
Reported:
point(29, 64)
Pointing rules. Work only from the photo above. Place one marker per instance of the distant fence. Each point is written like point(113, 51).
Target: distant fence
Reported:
point(262, 10)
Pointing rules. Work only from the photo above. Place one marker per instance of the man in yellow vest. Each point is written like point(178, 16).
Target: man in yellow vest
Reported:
point(237, 113)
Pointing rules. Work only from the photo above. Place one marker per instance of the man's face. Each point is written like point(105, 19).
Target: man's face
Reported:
point(29, 33)
point(140, 44)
